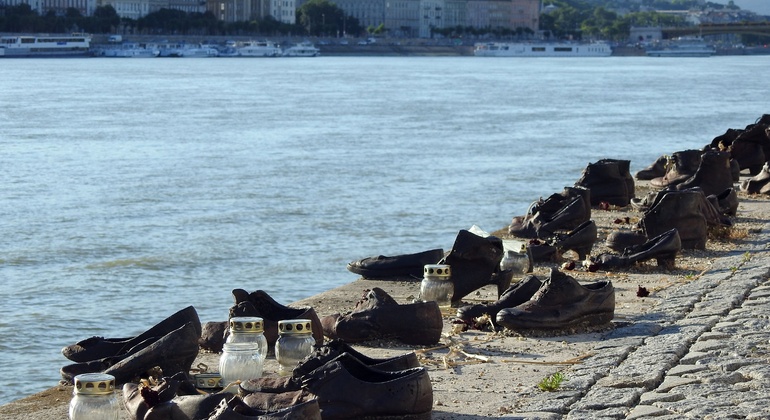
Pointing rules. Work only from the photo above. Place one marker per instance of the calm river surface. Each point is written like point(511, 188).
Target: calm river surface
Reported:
point(135, 187)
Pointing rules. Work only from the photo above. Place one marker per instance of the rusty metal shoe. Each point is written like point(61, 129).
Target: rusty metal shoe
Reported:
point(167, 400)
point(174, 352)
point(320, 356)
point(235, 409)
point(713, 175)
point(683, 210)
point(759, 183)
point(259, 303)
point(347, 389)
point(398, 266)
point(514, 296)
point(682, 165)
point(562, 302)
point(475, 263)
point(663, 248)
point(655, 170)
point(378, 316)
point(580, 240)
point(96, 348)
point(609, 181)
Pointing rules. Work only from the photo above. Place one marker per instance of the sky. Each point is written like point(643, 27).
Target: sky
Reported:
point(761, 7)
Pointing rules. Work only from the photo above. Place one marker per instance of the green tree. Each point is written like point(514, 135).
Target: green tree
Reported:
point(321, 17)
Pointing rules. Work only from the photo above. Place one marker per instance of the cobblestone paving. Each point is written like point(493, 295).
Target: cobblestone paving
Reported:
point(703, 354)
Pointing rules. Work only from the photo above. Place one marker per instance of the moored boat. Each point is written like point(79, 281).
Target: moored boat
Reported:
point(542, 49)
point(303, 49)
point(682, 47)
point(187, 50)
point(259, 49)
point(131, 50)
point(75, 45)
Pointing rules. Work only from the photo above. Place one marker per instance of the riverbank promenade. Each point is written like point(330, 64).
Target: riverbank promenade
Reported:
point(697, 346)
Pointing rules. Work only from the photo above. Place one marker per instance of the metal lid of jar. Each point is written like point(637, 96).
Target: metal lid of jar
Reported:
point(295, 326)
point(208, 380)
point(247, 324)
point(94, 384)
point(438, 271)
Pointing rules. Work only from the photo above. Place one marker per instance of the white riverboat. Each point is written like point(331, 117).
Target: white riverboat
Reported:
point(131, 50)
point(75, 45)
point(187, 50)
point(259, 49)
point(542, 49)
point(304, 49)
point(682, 47)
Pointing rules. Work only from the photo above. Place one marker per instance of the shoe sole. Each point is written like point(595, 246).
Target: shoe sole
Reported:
point(586, 321)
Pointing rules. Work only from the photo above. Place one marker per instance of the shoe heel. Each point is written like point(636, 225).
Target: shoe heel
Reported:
point(583, 252)
point(503, 281)
point(667, 261)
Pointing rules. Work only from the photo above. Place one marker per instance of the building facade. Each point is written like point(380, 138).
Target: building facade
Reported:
point(401, 18)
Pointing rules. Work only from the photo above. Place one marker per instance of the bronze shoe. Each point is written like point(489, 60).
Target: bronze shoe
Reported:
point(663, 248)
point(378, 316)
point(320, 356)
point(347, 389)
point(514, 296)
point(96, 348)
point(398, 266)
point(682, 165)
point(655, 170)
point(581, 239)
point(259, 303)
point(174, 352)
point(562, 302)
point(475, 263)
point(235, 409)
point(712, 176)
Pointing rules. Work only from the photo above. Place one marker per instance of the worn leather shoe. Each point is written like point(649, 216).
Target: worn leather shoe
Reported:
point(95, 348)
point(174, 352)
point(378, 316)
point(259, 303)
point(235, 409)
point(475, 261)
point(562, 302)
point(663, 248)
point(347, 389)
point(406, 265)
point(655, 170)
point(514, 296)
point(320, 356)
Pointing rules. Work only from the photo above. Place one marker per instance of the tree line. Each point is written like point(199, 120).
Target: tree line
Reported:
point(573, 19)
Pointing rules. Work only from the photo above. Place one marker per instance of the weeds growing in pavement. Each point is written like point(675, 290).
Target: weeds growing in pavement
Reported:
point(551, 382)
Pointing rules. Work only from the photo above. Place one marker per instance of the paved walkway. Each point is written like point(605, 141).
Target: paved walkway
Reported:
point(703, 353)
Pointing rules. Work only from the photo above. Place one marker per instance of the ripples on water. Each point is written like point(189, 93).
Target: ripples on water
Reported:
point(133, 188)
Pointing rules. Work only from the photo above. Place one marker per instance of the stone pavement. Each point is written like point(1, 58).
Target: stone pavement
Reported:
point(702, 354)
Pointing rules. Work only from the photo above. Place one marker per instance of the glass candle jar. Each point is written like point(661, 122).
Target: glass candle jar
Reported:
point(94, 398)
point(240, 362)
point(437, 285)
point(295, 342)
point(249, 329)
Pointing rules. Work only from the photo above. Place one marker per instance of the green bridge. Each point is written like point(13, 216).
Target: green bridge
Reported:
point(747, 28)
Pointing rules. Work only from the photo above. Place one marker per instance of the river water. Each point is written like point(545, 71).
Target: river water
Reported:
point(135, 187)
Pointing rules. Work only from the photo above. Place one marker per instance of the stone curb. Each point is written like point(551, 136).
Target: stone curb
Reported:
point(703, 354)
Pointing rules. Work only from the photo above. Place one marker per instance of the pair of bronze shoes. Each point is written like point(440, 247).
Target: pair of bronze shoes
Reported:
point(558, 302)
point(349, 385)
point(171, 345)
point(259, 304)
point(176, 398)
